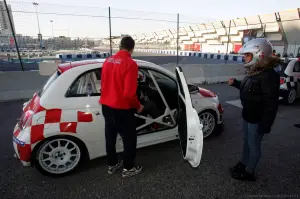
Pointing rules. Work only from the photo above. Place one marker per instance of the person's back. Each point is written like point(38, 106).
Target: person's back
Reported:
point(119, 103)
point(114, 92)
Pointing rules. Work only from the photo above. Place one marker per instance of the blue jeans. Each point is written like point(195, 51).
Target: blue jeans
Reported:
point(252, 146)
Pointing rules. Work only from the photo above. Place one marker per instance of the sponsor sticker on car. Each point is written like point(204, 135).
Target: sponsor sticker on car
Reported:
point(19, 142)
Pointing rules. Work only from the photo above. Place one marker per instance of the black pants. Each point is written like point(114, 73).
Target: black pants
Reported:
point(122, 122)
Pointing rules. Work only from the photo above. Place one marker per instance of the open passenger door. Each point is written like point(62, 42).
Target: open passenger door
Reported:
point(189, 126)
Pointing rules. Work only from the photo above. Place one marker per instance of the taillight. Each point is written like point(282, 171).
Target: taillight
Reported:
point(25, 119)
point(281, 80)
point(220, 108)
point(206, 93)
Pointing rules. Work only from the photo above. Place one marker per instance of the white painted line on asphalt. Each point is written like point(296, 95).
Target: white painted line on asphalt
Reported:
point(236, 103)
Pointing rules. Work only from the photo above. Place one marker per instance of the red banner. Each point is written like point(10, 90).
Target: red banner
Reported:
point(11, 41)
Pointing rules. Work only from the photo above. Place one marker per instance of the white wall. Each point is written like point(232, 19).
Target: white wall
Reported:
point(279, 49)
point(295, 49)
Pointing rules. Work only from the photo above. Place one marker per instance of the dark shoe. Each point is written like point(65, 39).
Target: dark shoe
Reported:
point(297, 125)
point(239, 167)
point(134, 171)
point(113, 169)
point(244, 176)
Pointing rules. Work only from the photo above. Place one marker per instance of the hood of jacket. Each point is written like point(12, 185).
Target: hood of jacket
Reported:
point(259, 67)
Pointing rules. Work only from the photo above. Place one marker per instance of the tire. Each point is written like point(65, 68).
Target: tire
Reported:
point(71, 150)
point(213, 116)
point(291, 96)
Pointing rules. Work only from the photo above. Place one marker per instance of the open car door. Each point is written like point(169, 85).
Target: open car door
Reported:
point(189, 126)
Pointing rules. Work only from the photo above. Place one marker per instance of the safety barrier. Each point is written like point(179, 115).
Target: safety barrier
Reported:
point(22, 85)
point(14, 50)
point(221, 56)
point(83, 55)
point(210, 73)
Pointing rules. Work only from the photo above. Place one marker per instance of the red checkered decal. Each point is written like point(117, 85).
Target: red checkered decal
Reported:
point(46, 123)
point(52, 121)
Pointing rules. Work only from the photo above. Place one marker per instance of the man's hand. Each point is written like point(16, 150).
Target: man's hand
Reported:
point(140, 109)
point(231, 81)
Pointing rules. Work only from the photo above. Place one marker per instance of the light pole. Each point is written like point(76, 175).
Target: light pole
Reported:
point(52, 35)
point(37, 17)
point(52, 28)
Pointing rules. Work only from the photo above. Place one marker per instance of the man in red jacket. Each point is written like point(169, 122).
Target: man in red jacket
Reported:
point(119, 103)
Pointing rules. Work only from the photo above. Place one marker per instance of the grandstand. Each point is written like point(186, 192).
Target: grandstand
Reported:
point(281, 28)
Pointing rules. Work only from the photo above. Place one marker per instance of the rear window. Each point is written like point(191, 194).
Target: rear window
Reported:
point(51, 79)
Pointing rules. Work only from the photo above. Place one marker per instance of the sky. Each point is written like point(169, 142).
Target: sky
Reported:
point(89, 18)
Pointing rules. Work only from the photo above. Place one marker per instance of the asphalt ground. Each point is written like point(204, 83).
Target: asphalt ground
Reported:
point(165, 174)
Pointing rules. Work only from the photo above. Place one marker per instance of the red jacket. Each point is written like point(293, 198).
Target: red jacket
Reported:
point(119, 82)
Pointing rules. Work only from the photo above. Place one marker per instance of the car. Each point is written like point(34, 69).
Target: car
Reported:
point(62, 124)
point(290, 81)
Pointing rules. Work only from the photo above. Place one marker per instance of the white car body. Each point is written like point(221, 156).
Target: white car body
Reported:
point(290, 81)
point(52, 115)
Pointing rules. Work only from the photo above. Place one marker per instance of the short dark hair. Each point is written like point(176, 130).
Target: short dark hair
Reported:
point(127, 43)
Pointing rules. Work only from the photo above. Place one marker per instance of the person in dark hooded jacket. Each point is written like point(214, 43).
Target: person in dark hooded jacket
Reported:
point(259, 93)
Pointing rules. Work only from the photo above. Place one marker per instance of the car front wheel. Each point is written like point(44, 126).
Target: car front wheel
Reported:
point(291, 96)
point(209, 121)
point(58, 156)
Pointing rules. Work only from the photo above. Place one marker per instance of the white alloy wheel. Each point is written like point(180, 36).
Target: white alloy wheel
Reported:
point(292, 96)
point(209, 123)
point(59, 156)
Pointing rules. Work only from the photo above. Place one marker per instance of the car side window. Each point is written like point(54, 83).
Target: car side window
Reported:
point(297, 67)
point(86, 85)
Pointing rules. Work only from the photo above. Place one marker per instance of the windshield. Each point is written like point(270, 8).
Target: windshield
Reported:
point(158, 75)
point(51, 79)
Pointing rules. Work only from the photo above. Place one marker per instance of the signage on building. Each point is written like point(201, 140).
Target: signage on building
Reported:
point(11, 41)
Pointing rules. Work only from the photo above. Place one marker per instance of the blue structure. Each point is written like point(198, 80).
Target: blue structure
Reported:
point(83, 56)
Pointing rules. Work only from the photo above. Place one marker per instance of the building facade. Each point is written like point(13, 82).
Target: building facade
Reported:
point(4, 20)
point(281, 28)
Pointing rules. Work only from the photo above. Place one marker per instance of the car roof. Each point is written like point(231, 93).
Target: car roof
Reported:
point(67, 66)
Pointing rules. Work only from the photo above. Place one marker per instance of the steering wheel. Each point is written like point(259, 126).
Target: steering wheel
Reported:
point(141, 77)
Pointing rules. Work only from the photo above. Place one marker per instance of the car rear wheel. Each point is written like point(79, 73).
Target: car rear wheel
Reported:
point(58, 156)
point(209, 121)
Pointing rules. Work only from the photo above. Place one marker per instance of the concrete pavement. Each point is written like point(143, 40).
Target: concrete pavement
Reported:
point(165, 174)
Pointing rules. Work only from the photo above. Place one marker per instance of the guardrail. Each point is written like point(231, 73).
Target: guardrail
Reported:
point(221, 56)
point(83, 55)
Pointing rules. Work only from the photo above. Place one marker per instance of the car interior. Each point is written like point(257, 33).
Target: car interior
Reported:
point(156, 91)
point(158, 94)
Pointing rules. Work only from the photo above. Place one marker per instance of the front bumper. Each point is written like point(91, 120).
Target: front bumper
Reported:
point(22, 150)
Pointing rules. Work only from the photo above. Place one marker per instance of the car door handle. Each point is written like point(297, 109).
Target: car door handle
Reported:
point(97, 113)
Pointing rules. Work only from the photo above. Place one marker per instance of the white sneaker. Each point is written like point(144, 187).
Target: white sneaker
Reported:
point(134, 171)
